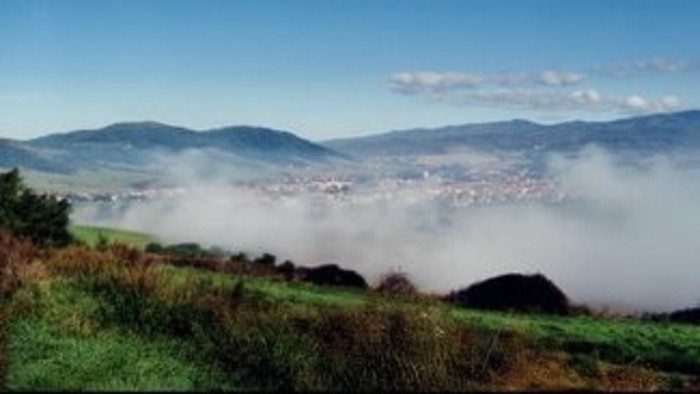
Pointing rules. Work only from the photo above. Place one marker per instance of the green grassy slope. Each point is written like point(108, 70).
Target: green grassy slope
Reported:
point(666, 346)
point(62, 345)
point(91, 234)
point(89, 320)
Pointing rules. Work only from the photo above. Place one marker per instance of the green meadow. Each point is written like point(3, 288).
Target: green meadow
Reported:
point(120, 319)
point(91, 235)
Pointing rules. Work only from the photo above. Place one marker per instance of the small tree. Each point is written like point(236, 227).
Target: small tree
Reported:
point(42, 218)
point(11, 189)
point(266, 259)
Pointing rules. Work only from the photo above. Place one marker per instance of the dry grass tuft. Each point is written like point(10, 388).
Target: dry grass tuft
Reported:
point(14, 254)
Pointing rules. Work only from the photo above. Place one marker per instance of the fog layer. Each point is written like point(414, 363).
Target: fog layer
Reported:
point(629, 241)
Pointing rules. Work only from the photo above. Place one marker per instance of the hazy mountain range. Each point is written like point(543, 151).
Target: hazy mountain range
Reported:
point(135, 144)
point(131, 145)
point(647, 134)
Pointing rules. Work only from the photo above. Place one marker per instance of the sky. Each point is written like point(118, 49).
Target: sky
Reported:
point(329, 68)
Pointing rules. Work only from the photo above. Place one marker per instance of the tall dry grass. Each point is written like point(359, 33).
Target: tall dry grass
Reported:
point(14, 255)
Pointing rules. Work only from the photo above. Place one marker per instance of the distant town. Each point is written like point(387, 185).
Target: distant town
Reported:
point(489, 189)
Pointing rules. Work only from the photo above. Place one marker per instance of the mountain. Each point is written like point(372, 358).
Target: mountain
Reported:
point(266, 144)
point(136, 144)
point(652, 133)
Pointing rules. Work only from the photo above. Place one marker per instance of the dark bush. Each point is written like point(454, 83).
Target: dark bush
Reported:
point(331, 274)
point(688, 315)
point(240, 257)
point(266, 260)
point(206, 263)
point(154, 247)
point(187, 249)
point(287, 270)
point(514, 292)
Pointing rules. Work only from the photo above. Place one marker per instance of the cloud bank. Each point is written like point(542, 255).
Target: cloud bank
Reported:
point(546, 90)
point(658, 65)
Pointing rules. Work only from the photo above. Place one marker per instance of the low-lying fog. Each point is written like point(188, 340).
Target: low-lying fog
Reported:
point(631, 241)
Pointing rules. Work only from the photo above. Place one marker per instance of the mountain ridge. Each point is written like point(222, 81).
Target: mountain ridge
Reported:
point(133, 144)
point(660, 132)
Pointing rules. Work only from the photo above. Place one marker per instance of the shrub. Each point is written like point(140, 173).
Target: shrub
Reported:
point(287, 270)
point(514, 292)
point(332, 275)
point(688, 315)
point(396, 283)
point(266, 259)
point(239, 257)
point(187, 249)
point(154, 247)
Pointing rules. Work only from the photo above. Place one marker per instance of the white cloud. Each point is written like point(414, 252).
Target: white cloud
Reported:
point(588, 96)
point(663, 65)
point(656, 65)
point(559, 78)
point(510, 79)
point(417, 82)
point(434, 84)
point(639, 105)
point(671, 102)
point(538, 99)
point(551, 78)
point(545, 91)
point(636, 103)
point(547, 100)
point(507, 97)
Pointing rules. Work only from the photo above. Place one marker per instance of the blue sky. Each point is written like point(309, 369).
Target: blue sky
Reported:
point(332, 68)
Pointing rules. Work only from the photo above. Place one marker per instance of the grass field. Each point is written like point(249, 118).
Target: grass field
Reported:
point(84, 319)
point(665, 346)
point(91, 234)
point(61, 346)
